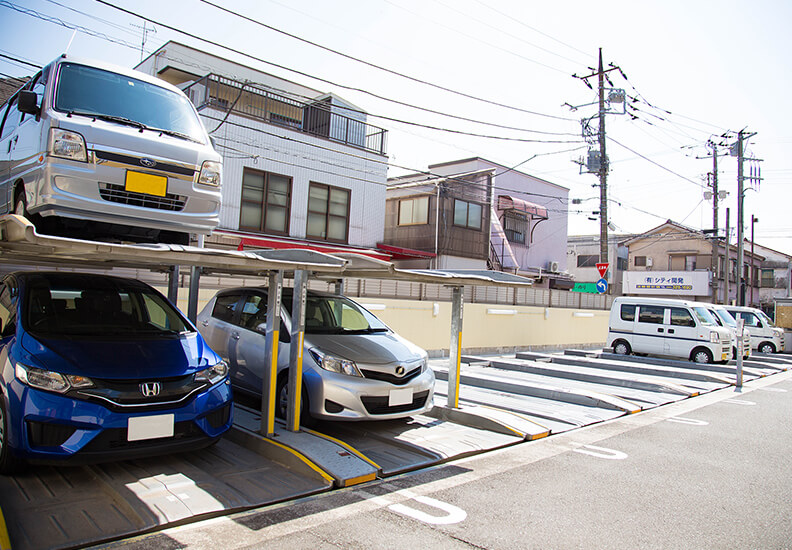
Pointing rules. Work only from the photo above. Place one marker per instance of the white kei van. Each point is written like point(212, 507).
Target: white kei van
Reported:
point(765, 337)
point(667, 327)
point(95, 149)
point(725, 319)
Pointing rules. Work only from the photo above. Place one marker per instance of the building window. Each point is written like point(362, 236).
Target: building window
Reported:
point(328, 212)
point(768, 278)
point(414, 211)
point(621, 264)
point(515, 226)
point(467, 214)
point(640, 261)
point(266, 199)
point(690, 263)
point(587, 260)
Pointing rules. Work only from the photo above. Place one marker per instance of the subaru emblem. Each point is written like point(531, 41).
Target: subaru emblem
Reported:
point(150, 389)
point(400, 370)
point(148, 163)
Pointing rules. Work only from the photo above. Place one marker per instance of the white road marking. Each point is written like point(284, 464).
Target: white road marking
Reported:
point(689, 421)
point(739, 402)
point(601, 452)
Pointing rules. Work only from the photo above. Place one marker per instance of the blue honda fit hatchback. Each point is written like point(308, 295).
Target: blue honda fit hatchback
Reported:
point(94, 367)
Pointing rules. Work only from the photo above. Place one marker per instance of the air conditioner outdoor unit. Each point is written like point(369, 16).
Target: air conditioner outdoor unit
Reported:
point(552, 266)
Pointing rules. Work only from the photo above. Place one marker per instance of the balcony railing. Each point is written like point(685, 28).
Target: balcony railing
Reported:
point(319, 118)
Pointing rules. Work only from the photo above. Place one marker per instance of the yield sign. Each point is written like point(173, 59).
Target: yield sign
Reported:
point(603, 269)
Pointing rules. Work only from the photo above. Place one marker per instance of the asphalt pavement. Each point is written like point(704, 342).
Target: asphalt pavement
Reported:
point(707, 472)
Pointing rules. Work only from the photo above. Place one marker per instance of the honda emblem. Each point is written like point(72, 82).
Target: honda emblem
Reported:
point(150, 389)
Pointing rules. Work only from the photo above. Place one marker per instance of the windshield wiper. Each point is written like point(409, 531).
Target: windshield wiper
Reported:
point(173, 133)
point(111, 118)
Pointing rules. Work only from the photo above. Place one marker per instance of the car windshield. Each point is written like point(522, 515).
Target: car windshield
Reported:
point(90, 91)
point(704, 316)
point(337, 315)
point(762, 315)
point(68, 306)
point(726, 317)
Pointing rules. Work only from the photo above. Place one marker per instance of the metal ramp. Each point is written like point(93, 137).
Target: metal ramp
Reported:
point(73, 506)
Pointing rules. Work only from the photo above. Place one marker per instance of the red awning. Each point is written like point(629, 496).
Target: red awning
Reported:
point(401, 253)
point(505, 202)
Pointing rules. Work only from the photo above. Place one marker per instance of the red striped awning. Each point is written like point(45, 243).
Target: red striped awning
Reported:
point(505, 202)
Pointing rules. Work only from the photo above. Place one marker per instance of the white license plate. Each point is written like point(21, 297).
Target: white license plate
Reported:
point(400, 397)
point(149, 427)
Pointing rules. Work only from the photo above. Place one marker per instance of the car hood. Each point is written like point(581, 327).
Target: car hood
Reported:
point(379, 348)
point(120, 359)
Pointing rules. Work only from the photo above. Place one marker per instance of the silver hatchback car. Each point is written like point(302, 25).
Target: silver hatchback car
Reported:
point(354, 366)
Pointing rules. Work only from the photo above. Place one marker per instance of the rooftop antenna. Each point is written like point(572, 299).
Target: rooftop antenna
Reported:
point(70, 41)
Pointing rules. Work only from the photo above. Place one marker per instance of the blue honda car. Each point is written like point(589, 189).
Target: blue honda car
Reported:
point(94, 368)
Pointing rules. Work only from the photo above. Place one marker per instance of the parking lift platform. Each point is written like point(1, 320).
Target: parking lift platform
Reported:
point(72, 506)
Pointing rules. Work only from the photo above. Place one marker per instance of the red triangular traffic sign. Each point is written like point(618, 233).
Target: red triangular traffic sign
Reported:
point(602, 268)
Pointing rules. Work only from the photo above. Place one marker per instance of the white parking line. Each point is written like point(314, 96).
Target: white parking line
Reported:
point(739, 402)
point(601, 452)
point(689, 421)
point(453, 514)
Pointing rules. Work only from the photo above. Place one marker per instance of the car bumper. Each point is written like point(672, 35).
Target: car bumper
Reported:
point(50, 428)
point(339, 397)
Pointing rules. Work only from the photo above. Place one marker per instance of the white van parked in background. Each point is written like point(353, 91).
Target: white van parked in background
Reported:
point(765, 337)
point(91, 148)
point(672, 328)
point(725, 319)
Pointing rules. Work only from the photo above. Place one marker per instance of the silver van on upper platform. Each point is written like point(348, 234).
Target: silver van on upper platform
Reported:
point(97, 149)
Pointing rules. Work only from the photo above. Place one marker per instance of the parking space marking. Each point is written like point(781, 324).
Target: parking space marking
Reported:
point(777, 390)
point(453, 514)
point(601, 452)
point(690, 421)
point(740, 402)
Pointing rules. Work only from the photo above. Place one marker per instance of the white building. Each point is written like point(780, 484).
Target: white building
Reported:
point(300, 166)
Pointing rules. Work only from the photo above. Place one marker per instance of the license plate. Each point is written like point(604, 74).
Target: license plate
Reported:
point(148, 184)
point(149, 427)
point(400, 397)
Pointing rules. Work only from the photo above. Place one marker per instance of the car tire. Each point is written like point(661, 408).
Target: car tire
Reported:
point(8, 464)
point(20, 205)
point(766, 347)
point(620, 347)
point(306, 419)
point(701, 355)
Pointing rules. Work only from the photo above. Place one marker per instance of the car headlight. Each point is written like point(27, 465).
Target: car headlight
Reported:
point(335, 364)
point(213, 374)
point(211, 172)
point(49, 380)
point(714, 337)
point(67, 145)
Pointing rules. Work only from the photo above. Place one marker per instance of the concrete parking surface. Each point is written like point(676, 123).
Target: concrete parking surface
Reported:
point(708, 472)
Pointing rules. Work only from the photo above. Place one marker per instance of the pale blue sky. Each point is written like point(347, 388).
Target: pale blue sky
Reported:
point(714, 65)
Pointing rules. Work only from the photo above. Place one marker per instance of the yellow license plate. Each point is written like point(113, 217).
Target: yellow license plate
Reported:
point(149, 184)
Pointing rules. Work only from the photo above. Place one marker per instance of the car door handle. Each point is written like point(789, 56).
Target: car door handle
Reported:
point(670, 331)
point(659, 330)
point(205, 322)
point(235, 335)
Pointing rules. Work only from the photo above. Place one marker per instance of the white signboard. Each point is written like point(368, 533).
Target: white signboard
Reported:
point(667, 283)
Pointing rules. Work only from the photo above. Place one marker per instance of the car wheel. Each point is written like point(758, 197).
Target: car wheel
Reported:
point(702, 355)
point(621, 348)
point(283, 401)
point(20, 206)
point(766, 347)
point(8, 464)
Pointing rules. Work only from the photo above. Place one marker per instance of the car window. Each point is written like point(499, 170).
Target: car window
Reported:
point(7, 313)
point(628, 312)
point(254, 313)
point(651, 314)
point(225, 307)
point(12, 119)
point(681, 317)
point(751, 320)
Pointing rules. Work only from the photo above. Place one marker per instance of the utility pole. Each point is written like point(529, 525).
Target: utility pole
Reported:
point(727, 269)
point(601, 168)
point(742, 136)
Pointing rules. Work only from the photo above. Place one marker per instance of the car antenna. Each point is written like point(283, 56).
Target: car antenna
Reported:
point(70, 42)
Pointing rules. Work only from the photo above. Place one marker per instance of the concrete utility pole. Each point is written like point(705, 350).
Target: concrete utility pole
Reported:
point(741, 138)
point(727, 269)
point(603, 171)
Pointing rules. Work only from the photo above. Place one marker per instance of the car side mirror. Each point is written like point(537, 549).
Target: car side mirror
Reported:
point(27, 102)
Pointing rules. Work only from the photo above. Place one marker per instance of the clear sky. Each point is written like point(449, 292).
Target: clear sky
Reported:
point(697, 69)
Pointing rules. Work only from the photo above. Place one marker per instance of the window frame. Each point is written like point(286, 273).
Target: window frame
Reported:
point(264, 204)
point(467, 212)
point(587, 262)
point(412, 201)
point(327, 215)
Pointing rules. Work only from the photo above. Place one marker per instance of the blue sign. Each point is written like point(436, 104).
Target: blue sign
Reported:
point(602, 286)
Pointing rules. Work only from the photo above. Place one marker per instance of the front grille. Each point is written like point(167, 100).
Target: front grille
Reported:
point(392, 378)
point(379, 405)
point(48, 434)
point(113, 192)
point(114, 439)
point(126, 395)
point(134, 162)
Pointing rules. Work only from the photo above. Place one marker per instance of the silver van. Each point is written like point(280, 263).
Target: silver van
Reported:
point(354, 366)
point(765, 336)
point(94, 149)
point(725, 319)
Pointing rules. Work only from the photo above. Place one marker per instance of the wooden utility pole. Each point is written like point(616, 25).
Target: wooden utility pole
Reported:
point(603, 171)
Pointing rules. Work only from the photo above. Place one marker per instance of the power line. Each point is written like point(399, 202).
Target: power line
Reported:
point(656, 163)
